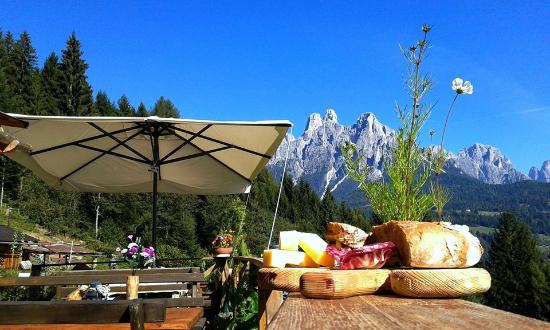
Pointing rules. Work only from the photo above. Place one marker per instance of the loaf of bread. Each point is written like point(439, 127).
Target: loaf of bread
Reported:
point(345, 234)
point(431, 244)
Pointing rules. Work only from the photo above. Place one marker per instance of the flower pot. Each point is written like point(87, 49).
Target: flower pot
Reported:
point(222, 250)
point(132, 287)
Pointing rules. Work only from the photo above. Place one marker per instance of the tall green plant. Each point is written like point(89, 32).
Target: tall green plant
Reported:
point(402, 196)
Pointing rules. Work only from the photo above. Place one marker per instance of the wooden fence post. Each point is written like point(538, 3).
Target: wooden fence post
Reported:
point(34, 291)
point(137, 315)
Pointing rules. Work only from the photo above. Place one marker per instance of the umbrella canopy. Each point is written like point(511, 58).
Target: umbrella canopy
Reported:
point(152, 154)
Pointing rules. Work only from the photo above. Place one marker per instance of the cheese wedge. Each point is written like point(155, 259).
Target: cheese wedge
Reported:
point(288, 240)
point(282, 258)
point(316, 248)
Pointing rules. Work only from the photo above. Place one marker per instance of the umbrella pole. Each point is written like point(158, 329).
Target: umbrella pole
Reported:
point(155, 188)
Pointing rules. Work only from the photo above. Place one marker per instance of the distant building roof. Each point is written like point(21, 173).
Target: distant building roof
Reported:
point(6, 235)
point(36, 249)
point(64, 248)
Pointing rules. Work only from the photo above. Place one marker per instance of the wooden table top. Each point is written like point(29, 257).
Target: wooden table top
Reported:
point(392, 312)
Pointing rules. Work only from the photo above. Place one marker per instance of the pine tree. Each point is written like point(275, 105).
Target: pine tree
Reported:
point(103, 106)
point(330, 209)
point(165, 108)
point(51, 78)
point(518, 282)
point(5, 99)
point(125, 109)
point(142, 111)
point(20, 72)
point(77, 93)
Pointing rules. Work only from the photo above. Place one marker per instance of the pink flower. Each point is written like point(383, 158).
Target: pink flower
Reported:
point(133, 250)
point(149, 251)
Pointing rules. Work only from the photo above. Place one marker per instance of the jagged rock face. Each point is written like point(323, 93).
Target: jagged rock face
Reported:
point(487, 164)
point(543, 174)
point(316, 157)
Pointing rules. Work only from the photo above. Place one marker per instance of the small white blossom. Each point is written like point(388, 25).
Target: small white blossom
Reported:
point(123, 250)
point(462, 87)
point(117, 249)
point(132, 244)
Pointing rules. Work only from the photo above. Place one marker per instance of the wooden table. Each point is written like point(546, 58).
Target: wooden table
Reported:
point(183, 318)
point(391, 312)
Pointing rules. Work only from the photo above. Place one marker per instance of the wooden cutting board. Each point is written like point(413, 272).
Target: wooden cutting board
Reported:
point(283, 279)
point(440, 283)
point(343, 283)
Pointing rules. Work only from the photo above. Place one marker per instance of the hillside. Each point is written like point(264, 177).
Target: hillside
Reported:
point(478, 204)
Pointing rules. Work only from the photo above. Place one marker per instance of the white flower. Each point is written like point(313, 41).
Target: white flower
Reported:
point(461, 87)
point(117, 249)
point(123, 250)
point(132, 244)
point(144, 254)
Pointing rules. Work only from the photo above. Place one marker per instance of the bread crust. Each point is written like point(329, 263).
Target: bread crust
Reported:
point(345, 234)
point(429, 244)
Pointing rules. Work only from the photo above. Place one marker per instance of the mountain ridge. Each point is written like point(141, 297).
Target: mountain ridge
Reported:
point(315, 155)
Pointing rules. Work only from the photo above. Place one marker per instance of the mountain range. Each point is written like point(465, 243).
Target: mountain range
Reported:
point(316, 157)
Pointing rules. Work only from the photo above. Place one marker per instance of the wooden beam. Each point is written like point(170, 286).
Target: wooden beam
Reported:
point(8, 120)
point(258, 262)
point(176, 318)
point(104, 279)
point(127, 272)
point(76, 312)
point(269, 303)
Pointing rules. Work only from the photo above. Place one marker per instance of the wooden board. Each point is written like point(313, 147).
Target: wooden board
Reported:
point(104, 279)
point(176, 318)
point(25, 312)
point(342, 283)
point(392, 312)
point(440, 283)
point(283, 279)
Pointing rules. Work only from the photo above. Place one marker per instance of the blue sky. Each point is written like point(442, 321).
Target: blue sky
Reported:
point(255, 60)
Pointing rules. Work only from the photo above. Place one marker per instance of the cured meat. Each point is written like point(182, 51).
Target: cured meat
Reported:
point(368, 256)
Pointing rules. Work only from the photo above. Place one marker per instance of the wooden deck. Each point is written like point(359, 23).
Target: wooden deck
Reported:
point(391, 312)
point(176, 318)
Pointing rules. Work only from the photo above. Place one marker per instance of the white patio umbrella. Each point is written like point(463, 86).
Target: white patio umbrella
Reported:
point(152, 154)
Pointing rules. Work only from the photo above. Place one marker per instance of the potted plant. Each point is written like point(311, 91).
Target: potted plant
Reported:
point(222, 243)
point(139, 257)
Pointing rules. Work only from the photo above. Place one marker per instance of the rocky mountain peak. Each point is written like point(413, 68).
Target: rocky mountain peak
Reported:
point(543, 174)
point(330, 116)
point(314, 121)
point(486, 163)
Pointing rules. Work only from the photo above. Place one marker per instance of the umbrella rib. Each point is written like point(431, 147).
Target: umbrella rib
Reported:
point(198, 154)
point(224, 143)
point(119, 142)
point(99, 156)
point(72, 143)
point(112, 153)
point(185, 142)
point(207, 153)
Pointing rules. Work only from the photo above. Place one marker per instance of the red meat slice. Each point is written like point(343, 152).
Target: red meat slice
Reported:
point(368, 256)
